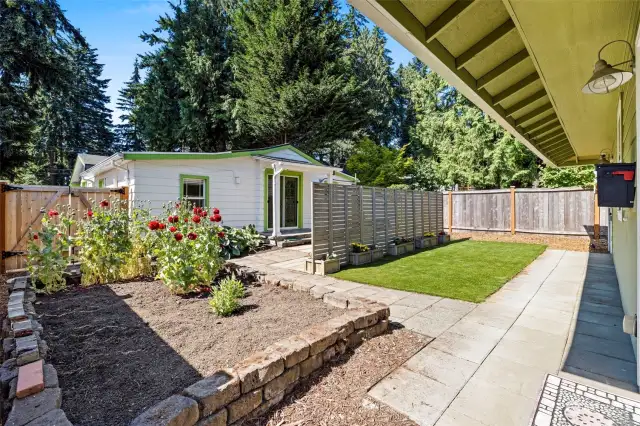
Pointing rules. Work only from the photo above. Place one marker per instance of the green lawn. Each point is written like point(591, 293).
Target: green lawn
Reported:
point(466, 270)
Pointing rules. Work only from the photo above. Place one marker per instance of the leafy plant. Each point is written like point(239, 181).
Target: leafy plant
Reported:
point(359, 248)
point(104, 240)
point(225, 300)
point(45, 251)
point(140, 261)
point(401, 240)
point(236, 241)
point(429, 234)
point(187, 246)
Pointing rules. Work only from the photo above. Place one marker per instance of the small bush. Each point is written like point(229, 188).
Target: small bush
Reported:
point(359, 248)
point(225, 300)
point(45, 256)
point(236, 241)
point(429, 234)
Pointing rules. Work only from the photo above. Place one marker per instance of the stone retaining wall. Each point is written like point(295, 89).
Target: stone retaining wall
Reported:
point(30, 390)
point(254, 385)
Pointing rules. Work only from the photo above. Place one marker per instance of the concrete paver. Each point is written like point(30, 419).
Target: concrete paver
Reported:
point(442, 367)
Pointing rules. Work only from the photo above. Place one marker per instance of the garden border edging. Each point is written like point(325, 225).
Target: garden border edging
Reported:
point(28, 384)
point(256, 384)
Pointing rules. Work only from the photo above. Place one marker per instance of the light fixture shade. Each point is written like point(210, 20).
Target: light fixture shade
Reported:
point(605, 78)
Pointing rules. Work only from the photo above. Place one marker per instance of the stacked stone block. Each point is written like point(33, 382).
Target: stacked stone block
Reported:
point(29, 386)
point(254, 385)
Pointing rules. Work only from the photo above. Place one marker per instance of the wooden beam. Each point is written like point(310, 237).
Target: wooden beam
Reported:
point(502, 68)
point(445, 19)
point(556, 144)
point(533, 114)
point(515, 88)
point(545, 129)
point(563, 155)
point(485, 43)
point(560, 150)
point(3, 225)
point(551, 136)
point(541, 122)
point(525, 102)
point(552, 140)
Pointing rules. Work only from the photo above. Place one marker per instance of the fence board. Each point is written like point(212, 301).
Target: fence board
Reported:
point(346, 214)
point(562, 211)
point(25, 205)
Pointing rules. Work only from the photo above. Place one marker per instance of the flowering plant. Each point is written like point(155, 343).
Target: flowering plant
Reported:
point(188, 251)
point(45, 250)
point(104, 240)
point(139, 263)
point(359, 248)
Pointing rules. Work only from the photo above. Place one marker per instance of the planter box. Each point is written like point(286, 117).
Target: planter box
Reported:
point(360, 258)
point(376, 254)
point(425, 242)
point(444, 239)
point(402, 248)
point(323, 267)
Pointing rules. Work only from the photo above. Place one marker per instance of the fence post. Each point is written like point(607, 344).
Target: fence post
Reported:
point(313, 230)
point(596, 215)
point(331, 220)
point(386, 222)
point(347, 237)
point(373, 213)
point(513, 210)
point(450, 201)
point(3, 226)
point(361, 215)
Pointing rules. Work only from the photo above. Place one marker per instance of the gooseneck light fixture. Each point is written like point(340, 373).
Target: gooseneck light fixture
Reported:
point(606, 77)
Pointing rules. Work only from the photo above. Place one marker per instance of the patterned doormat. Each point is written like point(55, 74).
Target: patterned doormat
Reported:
point(566, 403)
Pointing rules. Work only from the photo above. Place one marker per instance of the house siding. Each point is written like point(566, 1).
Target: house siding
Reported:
point(624, 233)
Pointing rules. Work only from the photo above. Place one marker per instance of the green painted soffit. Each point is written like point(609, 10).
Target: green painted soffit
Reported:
point(215, 156)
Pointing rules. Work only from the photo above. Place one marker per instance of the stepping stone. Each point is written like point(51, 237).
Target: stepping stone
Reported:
point(19, 285)
point(34, 406)
point(30, 379)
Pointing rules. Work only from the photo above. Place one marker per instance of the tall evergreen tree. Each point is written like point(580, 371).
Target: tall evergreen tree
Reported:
point(291, 75)
point(32, 58)
point(129, 137)
point(182, 101)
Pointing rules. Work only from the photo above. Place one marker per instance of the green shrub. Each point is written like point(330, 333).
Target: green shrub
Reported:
point(429, 234)
point(45, 256)
point(188, 247)
point(236, 241)
point(225, 300)
point(140, 261)
point(359, 248)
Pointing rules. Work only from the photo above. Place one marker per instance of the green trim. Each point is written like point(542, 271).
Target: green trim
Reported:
point(101, 183)
point(206, 187)
point(216, 156)
point(300, 176)
point(346, 176)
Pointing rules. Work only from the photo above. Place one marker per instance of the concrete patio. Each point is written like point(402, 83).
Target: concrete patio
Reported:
point(486, 363)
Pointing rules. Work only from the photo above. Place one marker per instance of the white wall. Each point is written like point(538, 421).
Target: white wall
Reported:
point(236, 185)
point(116, 178)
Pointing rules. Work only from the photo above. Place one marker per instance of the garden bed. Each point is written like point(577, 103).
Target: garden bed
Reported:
point(336, 395)
point(121, 348)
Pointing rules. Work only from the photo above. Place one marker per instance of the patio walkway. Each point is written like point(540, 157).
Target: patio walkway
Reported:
point(486, 364)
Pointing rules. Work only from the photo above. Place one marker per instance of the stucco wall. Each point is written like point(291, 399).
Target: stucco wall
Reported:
point(624, 235)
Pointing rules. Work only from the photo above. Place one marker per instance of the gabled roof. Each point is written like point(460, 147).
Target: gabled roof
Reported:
point(84, 162)
point(285, 152)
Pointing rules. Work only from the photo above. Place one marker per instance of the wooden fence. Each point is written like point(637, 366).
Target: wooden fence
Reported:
point(22, 208)
point(562, 211)
point(374, 216)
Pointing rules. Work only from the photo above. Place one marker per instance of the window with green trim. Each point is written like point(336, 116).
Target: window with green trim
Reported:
point(195, 190)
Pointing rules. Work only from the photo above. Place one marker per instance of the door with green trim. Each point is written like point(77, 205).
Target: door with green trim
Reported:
point(289, 188)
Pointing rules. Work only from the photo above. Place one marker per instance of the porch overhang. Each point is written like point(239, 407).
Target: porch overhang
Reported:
point(523, 62)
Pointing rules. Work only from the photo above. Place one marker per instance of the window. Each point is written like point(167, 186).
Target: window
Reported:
point(102, 183)
point(194, 189)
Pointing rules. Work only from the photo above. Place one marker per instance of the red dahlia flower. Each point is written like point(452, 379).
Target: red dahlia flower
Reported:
point(170, 219)
point(53, 213)
point(177, 236)
point(220, 234)
point(192, 235)
point(203, 213)
point(196, 219)
point(162, 226)
point(104, 203)
point(173, 229)
point(153, 225)
point(216, 211)
point(35, 236)
point(90, 214)
point(217, 218)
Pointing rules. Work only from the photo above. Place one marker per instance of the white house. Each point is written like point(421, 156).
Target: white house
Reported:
point(239, 183)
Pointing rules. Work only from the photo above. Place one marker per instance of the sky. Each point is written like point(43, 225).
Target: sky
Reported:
point(114, 26)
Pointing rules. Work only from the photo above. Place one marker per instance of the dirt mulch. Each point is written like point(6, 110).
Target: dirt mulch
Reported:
point(121, 348)
point(559, 242)
point(336, 395)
